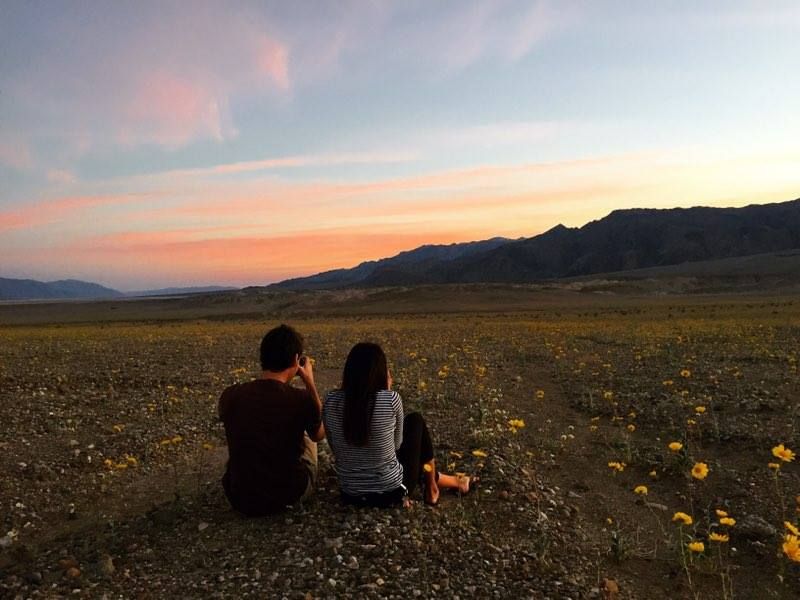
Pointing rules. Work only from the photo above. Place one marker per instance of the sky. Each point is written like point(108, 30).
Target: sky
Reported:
point(151, 144)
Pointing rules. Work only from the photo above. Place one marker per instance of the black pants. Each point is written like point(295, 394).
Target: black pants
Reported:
point(415, 450)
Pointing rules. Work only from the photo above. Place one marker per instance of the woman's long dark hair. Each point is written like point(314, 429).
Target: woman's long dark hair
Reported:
point(365, 373)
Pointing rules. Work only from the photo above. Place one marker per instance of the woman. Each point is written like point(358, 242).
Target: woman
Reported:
point(380, 454)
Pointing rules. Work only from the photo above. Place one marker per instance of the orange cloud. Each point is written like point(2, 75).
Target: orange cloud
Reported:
point(248, 259)
point(50, 211)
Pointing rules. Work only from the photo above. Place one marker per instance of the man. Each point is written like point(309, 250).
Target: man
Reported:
point(272, 428)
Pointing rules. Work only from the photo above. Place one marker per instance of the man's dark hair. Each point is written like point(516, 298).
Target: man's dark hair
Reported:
point(279, 347)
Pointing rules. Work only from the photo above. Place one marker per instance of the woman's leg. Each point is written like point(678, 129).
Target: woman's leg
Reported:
point(416, 456)
point(416, 451)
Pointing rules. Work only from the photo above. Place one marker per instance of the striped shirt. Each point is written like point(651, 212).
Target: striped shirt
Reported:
point(374, 467)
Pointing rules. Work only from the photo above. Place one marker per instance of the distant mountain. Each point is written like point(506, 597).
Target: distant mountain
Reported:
point(29, 289)
point(72, 289)
point(369, 273)
point(621, 241)
point(181, 291)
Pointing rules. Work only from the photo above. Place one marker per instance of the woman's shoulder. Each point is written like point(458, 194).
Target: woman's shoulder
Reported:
point(388, 396)
point(334, 394)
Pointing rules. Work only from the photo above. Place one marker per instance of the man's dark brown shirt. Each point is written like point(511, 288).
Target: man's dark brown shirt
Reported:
point(264, 423)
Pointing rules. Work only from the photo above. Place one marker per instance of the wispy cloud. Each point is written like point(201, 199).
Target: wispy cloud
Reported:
point(52, 211)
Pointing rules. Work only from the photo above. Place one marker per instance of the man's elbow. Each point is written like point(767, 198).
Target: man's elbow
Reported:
point(319, 435)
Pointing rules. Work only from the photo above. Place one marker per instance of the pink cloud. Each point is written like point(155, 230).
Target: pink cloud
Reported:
point(50, 211)
point(273, 59)
point(171, 110)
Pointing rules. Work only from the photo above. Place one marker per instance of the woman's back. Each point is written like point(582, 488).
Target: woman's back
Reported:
point(374, 467)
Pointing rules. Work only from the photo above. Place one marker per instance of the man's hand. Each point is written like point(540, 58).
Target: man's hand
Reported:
point(306, 371)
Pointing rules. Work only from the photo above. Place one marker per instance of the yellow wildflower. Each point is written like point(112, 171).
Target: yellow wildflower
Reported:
point(608, 395)
point(675, 446)
point(700, 471)
point(109, 463)
point(641, 490)
point(208, 446)
point(682, 517)
point(727, 521)
point(617, 466)
point(667, 382)
point(516, 423)
point(540, 394)
point(686, 373)
point(791, 547)
point(699, 409)
point(132, 460)
point(719, 537)
point(774, 466)
point(696, 546)
point(631, 427)
point(791, 528)
point(118, 428)
point(782, 452)
point(691, 422)
point(176, 440)
point(721, 513)
point(592, 427)
point(653, 474)
point(427, 468)
point(479, 453)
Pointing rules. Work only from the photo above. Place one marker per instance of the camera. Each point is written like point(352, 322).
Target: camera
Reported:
point(302, 361)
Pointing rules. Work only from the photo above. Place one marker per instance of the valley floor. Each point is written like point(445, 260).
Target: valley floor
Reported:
point(111, 454)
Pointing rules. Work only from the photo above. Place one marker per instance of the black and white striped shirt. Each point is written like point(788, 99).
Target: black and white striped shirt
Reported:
point(373, 467)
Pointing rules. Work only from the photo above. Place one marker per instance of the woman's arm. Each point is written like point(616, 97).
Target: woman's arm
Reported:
point(398, 421)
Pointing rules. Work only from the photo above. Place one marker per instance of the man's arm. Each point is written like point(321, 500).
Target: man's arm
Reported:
point(306, 373)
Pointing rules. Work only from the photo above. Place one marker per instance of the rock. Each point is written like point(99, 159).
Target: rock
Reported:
point(202, 526)
point(67, 563)
point(106, 566)
point(352, 563)
point(657, 506)
point(753, 527)
point(35, 578)
point(610, 589)
point(73, 573)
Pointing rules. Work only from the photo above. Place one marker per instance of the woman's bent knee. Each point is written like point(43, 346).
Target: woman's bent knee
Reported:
point(412, 419)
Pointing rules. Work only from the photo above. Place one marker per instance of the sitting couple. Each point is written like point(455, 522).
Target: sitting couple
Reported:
point(272, 429)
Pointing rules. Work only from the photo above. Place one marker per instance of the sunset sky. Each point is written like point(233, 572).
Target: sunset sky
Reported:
point(236, 143)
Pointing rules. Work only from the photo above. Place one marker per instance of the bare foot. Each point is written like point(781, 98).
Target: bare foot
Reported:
point(463, 484)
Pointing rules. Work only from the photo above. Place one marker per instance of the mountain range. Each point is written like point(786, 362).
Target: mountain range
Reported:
point(74, 289)
point(622, 241)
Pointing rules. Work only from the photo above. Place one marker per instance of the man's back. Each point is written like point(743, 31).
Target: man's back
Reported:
point(265, 420)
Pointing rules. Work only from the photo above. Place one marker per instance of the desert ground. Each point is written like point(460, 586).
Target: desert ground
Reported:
point(628, 447)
